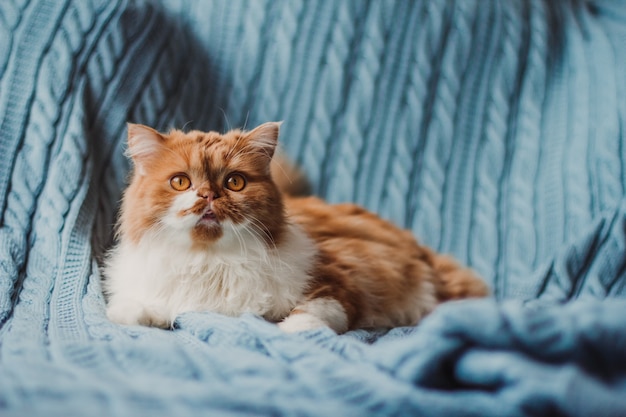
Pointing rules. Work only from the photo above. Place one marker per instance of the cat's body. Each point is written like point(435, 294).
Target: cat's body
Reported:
point(203, 227)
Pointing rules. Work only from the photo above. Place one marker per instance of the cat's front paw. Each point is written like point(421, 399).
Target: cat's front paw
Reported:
point(137, 314)
point(152, 318)
point(301, 322)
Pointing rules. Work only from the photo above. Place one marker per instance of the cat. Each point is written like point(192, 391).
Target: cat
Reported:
point(204, 226)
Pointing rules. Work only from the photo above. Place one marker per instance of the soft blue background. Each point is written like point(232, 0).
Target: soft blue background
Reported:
point(494, 130)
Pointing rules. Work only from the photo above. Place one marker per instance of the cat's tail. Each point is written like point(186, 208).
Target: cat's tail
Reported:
point(457, 282)
point(288, 177)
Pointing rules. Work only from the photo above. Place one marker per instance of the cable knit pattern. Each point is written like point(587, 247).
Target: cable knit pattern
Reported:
point(491, 152)
point(492, 130)
point(404, 153)
point(364, 83)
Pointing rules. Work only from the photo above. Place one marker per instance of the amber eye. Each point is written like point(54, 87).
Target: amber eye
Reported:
point(235, 182)
point(180, 182)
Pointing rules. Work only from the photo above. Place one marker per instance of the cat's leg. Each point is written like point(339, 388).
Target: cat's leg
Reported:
point(132, 312)
point(315, 313)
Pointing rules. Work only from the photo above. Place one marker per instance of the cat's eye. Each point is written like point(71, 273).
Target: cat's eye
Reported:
point(235, 182)
point(180, 182)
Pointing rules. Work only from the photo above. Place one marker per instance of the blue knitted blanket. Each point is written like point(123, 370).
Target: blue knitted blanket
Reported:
point(494, 130)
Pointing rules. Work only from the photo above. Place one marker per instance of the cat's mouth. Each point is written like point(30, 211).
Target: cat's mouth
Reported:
point(209, 217)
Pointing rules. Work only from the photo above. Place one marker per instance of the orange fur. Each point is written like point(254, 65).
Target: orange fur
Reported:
point(288, 177)
point(374, 268)
point(363, 267)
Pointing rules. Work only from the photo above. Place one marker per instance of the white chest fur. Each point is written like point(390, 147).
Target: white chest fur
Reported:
point(164, 277)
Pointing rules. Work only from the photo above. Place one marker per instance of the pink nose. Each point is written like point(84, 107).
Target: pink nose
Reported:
point(206, 193)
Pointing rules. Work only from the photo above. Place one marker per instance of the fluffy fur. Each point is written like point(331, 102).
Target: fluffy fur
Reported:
point(204, 226)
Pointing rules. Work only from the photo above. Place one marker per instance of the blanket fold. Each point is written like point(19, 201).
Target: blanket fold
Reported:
point(549, 360)
point(492, 130)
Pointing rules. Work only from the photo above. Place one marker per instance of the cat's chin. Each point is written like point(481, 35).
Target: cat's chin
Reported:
point(208, 229)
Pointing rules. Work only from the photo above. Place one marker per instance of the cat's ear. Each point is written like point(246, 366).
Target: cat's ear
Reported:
point(264, 137)
point(144, 143)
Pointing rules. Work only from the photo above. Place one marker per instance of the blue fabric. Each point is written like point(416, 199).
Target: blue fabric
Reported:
point(493, 130)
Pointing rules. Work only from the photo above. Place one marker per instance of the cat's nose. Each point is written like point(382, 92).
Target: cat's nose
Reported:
point(207, 194)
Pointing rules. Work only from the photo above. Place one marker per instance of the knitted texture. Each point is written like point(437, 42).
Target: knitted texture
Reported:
point(493, 130)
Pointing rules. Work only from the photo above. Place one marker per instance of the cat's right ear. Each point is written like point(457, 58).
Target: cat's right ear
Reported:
point(144, 143)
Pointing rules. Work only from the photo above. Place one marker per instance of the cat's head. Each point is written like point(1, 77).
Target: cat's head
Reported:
point(202, 187)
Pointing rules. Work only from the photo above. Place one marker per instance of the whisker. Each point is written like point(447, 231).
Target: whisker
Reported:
point(258, 223)
point(225, 119)
point(245, 123)
point(254, 234)
point(271, 261)
point(291, 169)
point(185, 125)
point(240, 239)
point(257, 227)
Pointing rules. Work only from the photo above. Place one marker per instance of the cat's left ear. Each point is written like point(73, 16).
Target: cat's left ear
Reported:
point(264, 137)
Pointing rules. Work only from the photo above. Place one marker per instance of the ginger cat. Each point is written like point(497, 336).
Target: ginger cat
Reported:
point(203, 226)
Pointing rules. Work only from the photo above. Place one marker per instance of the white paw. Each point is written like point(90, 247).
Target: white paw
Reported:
point(316, 313)
point(301, 322)
point(136, 314)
